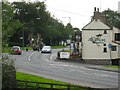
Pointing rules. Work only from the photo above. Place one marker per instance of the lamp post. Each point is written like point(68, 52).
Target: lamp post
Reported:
point(22, 38)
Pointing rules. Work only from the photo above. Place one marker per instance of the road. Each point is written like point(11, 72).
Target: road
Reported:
point(41, 64)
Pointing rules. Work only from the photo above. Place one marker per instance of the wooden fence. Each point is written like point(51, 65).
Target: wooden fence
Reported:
point(43, 86)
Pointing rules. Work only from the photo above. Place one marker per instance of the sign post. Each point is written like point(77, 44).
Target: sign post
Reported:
point(110, 46)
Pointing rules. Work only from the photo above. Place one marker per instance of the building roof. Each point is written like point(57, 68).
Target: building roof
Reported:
point(98, 22)
point(96, 25)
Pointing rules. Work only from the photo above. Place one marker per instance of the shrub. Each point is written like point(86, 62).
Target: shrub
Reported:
point(8, 73)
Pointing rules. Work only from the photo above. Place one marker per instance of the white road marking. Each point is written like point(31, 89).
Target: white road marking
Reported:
point(98, 74)
point(30, 56)
point(51, 57)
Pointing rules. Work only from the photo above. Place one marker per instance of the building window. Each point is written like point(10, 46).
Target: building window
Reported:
point(105, 50)
point(105, 31)
point(117, 36)
point(113, 48)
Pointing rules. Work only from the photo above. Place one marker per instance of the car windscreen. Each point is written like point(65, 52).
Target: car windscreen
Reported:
point(46, 47)
point(16, 48)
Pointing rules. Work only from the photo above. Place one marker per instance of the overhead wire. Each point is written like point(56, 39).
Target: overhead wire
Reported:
point(68, 12)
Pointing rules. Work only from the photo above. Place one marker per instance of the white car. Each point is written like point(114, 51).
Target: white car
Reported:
point(46, 49)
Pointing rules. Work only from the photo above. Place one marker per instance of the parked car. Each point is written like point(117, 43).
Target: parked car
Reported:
point(16, 50)
point(46, 49)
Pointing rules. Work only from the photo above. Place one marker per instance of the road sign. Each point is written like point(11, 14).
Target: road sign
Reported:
point(110, 45)
point(64, 55)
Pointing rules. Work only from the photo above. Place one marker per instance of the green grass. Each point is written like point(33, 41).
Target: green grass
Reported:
point(30, 77)
point(112, 66)
point(34, 78)
point(6, 49)
point(57, 47)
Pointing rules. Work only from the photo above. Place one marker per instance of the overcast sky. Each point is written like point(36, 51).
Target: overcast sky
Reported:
point(78, 12)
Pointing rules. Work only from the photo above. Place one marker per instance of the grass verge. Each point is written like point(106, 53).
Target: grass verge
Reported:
point(112, 66)
point(58, 47)
point(34, 78)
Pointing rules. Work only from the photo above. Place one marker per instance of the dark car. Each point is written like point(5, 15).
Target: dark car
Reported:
point(16, 50)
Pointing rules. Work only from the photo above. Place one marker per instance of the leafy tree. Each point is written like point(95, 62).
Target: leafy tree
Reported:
point(9, 24)
point(113, 17)
point(33, 16)
point(37, 21)
point(68, 31)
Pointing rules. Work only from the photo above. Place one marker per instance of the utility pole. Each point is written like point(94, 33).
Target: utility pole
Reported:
point(0, 45)
point(23, 38)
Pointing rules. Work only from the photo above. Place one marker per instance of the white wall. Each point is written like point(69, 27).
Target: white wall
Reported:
point(115, 54)
point(91, 50)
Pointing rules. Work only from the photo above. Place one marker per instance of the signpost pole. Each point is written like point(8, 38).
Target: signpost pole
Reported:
point(110, 57)
point(110, 46)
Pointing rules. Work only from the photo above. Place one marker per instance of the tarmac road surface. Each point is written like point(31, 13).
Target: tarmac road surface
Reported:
point(43, 64)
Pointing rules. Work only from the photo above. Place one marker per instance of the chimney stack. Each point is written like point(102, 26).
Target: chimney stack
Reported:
point(94, 9)
point(98, 15)
point(98, 9)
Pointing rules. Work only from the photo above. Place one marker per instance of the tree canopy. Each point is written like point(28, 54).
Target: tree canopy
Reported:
point(24, 19)
point(112, 17)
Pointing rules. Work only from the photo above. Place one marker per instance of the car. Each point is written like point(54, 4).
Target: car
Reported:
point(16, 50)
point(46, 49)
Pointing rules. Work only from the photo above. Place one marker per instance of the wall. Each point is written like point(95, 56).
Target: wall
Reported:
point(91, 50)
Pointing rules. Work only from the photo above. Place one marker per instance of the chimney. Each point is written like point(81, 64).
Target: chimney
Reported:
point(98, 9)
point(97, 14)
point(94, 9)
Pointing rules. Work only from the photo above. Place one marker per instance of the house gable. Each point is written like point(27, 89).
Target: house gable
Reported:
point(96, 25)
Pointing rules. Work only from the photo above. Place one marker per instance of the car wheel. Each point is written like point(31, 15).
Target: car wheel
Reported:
point(19, 53)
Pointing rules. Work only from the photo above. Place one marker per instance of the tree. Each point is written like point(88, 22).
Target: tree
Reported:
point(68, 30)
point(33, 17)
point(112, 17)
point(36, 20)
point(9, 24)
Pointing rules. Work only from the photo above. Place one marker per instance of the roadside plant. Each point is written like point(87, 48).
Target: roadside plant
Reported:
point(8, 73)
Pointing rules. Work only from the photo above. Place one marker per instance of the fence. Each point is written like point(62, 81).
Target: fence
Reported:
point(43, 86)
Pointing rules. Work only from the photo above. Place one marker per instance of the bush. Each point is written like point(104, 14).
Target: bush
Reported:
point(8, 73)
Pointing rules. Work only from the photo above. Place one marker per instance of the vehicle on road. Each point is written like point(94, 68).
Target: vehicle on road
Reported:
point(46, 49)
point(16, 50)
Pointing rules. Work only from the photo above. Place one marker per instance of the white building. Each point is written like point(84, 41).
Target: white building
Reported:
point(100, 41)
